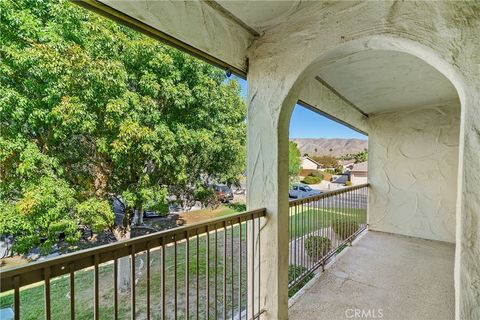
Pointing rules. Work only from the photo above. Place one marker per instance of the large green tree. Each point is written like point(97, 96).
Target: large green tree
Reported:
point(90, 110)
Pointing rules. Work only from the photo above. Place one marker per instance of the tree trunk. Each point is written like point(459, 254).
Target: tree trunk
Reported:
point(124, 263)
point(138, 217)
point(124, 278)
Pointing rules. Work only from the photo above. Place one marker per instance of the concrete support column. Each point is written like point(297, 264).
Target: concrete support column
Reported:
point(467, 260)
point(267, 187)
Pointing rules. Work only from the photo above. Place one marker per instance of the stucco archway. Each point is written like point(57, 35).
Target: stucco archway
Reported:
point(279, 91)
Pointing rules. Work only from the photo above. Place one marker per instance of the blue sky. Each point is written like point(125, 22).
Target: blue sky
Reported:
point(308, 124)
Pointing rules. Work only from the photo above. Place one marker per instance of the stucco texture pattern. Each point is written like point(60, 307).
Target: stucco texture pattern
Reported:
point(413, 172)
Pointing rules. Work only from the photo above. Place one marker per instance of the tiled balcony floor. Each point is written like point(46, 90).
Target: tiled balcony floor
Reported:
point(407, 278)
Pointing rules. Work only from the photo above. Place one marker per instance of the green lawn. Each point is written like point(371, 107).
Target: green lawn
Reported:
point(308, 220)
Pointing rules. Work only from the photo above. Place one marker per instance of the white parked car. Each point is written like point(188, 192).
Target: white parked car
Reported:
point(300, 190)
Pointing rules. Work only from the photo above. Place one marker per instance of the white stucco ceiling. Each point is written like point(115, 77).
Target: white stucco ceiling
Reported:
point(379, 80)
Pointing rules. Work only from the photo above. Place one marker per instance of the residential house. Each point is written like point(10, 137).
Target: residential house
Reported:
point(359, 172)
point(310, 164)
point(347, 165)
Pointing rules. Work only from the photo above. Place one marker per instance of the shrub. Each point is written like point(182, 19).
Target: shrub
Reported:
point(329, 170)
point(316, 173)
point(348, 183)
point(316, 246)
point(311, 180)
point(294, 271)
point(207, 197)
point(344, 228)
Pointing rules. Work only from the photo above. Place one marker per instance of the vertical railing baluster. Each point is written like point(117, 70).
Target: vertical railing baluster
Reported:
point(224, 311)
point(354, 205)
point(197, 276)
point(360, 207)
point(353, 212)
point(240, 270)
point(253, 268)
point(290, 256)
point(175, 279)
point(16, 297)
point(366, 191)
point(132, 282)
point(302, 239)
point(207, 300)
point(162, 279)
point(72, 291)
point(308, 230)
point(326, 231)
point(96, 311)
point(331, 218)
point(356, 209)
point(313, 229)
point(187, 276)
point(246, 269)
point(115, 285)
point(148, 280)
point(342, 220)
point(350, 215)
point(48, 314)
point(232, 274)
point(295, 238)
point(365, 204)
point(215, 269)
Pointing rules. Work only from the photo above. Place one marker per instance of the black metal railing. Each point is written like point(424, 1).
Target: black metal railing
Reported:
point(321, 226)
point(209, 270)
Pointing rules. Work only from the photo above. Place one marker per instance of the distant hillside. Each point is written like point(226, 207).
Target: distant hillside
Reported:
point(334, 147)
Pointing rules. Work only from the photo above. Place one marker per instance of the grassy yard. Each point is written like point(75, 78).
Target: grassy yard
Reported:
point(207, 213)
point(308, 220)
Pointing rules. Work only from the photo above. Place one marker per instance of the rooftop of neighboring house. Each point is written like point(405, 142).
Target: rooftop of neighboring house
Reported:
point(310, 159)
point(360, 167)
point(346, 162)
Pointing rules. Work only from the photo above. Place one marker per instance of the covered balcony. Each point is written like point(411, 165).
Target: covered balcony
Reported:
point(405, 246)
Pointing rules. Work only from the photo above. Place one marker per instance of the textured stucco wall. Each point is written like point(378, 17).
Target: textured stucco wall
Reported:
point(413, 165)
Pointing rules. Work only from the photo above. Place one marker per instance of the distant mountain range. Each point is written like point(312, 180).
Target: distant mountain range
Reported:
point(333, 147)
